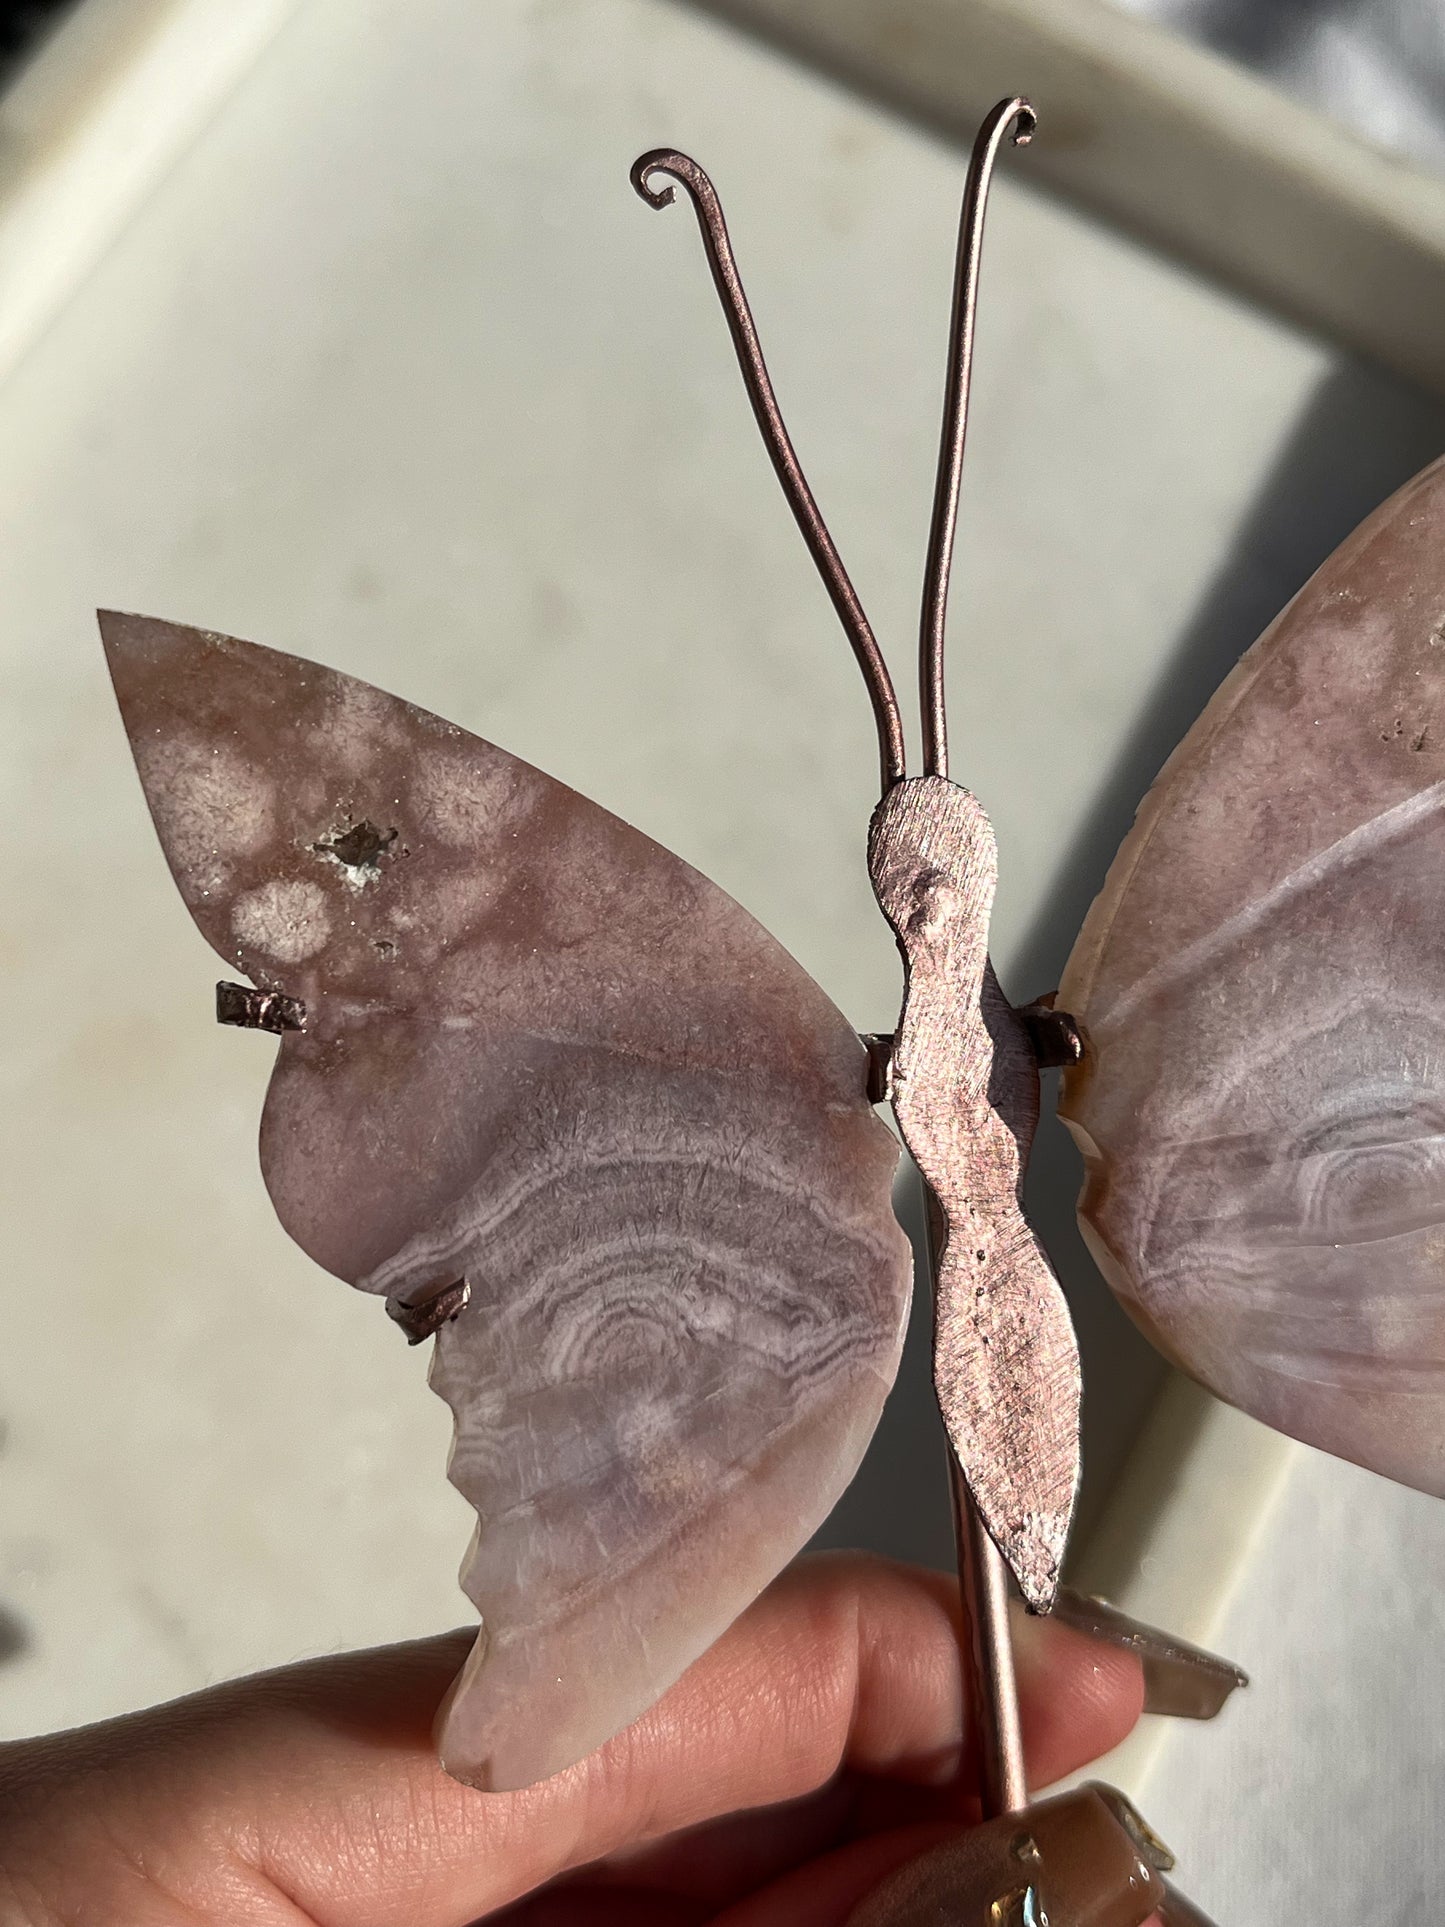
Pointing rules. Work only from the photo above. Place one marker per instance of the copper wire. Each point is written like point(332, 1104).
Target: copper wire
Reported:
point(756, 379)
point(1016, 114)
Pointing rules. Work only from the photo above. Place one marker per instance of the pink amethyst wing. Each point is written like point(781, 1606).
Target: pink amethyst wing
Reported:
point(544, 1057)
point(1261, 1103)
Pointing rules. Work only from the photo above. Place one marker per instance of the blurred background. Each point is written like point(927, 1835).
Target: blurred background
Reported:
point(336, 324)
point(1376, 65)
point(21, 26)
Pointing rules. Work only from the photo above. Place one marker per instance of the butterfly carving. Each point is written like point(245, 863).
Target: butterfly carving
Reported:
point(554, 1097)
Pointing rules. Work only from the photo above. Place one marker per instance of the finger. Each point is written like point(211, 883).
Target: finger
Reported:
point(1069, 1702)
point(711, 1865)
point(825, 1892)
point(611, 1907)
point(320, 1784)
point(718, 1860)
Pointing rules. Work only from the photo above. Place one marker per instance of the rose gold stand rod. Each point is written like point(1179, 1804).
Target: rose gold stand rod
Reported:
point(993, 1698)
point(983, 1580)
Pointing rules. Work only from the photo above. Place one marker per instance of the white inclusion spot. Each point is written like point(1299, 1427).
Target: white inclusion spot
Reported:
point(645, 1423)
point(359, 725)
point(211, 805)
point(285, 919)
point(468, 800)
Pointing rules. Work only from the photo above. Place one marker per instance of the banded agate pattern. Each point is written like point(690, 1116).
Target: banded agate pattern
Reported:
point(1261, 984)
point(544, 1055)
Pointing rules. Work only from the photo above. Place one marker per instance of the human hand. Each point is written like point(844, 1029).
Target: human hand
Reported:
point(811, 1751)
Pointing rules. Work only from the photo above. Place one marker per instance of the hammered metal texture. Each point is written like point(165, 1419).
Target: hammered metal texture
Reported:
point(965, 1091)
point(544, 1058)
point(1261, 1106)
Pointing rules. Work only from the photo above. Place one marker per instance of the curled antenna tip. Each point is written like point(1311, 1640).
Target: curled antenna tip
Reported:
point(1026, 122)
point(1012, 119)
point(685, 172)
point(660, 160)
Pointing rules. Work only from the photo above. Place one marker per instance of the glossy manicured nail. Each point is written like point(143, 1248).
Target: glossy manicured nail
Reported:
point(1180, 1679)
point(1084, 1859)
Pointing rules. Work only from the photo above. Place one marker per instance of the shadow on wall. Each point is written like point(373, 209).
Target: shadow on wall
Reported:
point(1361, 437)
point(14, 1635)
point(23, 25)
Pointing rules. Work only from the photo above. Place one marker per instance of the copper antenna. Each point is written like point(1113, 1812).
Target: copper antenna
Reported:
point(728, 282)
point(1019, 115)
point(982, 1571)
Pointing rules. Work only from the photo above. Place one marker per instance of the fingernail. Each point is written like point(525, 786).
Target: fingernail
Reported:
point(1084, 1859)
point(1136, 1826)
point(1179, 1679)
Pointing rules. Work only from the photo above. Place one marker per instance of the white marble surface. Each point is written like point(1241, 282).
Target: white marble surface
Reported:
point(392, 368)
point(1316, 1798)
